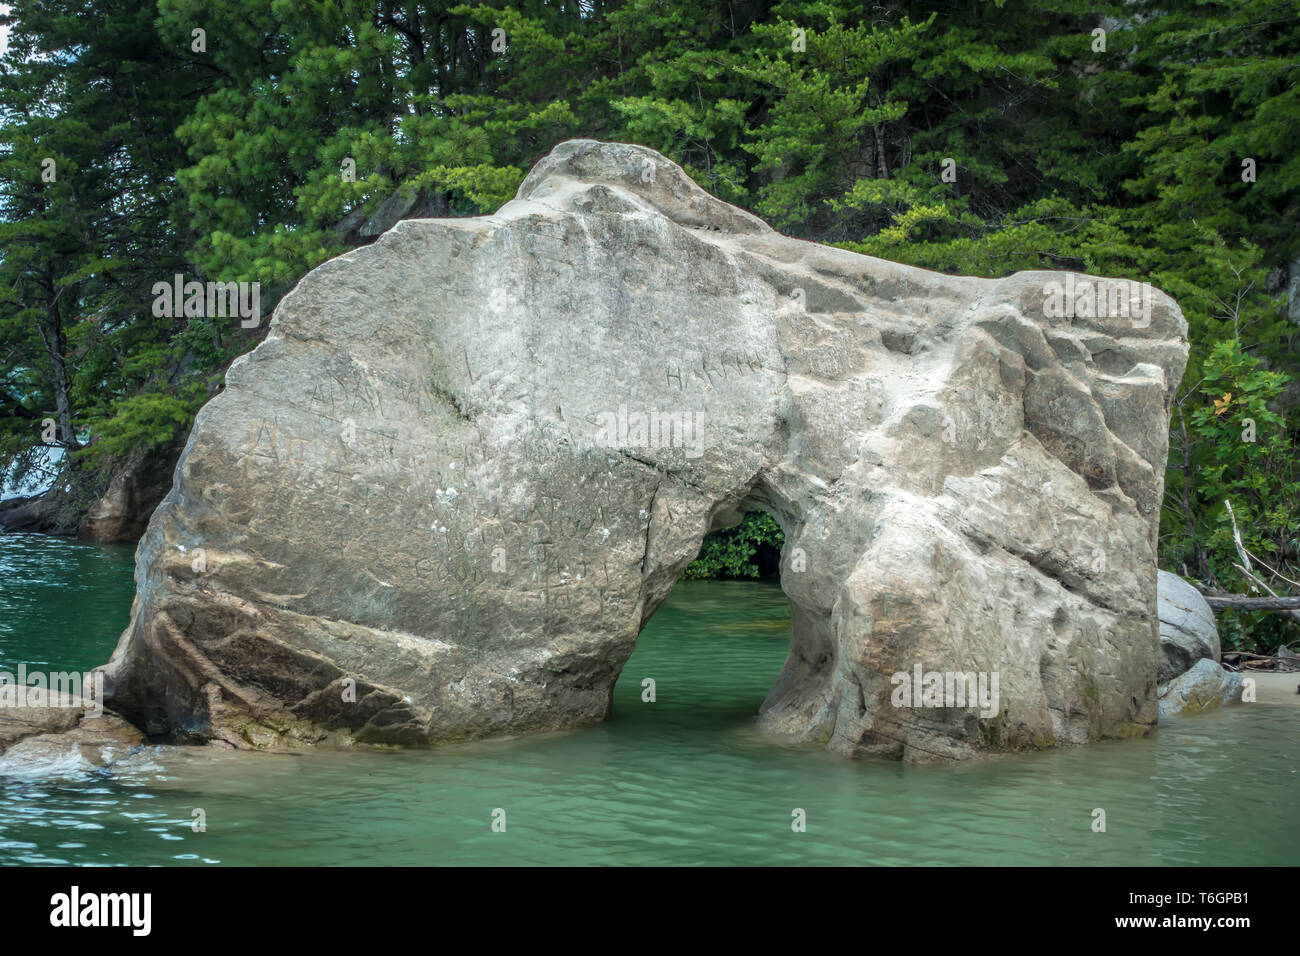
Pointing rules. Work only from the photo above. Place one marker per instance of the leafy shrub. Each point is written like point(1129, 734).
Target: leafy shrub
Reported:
point(732, 552)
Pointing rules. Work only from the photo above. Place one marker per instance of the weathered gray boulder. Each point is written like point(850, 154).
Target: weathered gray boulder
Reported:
point(1187, 629)
point(469, 461)
point(1204, 687)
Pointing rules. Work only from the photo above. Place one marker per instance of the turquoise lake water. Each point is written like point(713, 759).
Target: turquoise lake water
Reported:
point(684, 780)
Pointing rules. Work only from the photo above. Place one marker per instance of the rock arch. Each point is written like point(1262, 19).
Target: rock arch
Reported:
point(470, 460)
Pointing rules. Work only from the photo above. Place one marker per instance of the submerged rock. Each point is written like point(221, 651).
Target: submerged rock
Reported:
point(1204, 687)
point(29, 514)
point(43, 736)
point(470, 460)
point(1187, 629)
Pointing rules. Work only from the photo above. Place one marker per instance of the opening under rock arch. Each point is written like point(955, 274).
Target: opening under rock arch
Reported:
point(800, 688)
point(706, 660)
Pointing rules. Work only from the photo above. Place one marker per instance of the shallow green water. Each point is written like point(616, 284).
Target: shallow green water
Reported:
point(683, 780)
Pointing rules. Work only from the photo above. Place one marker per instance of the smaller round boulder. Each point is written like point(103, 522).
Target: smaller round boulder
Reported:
point(1187, 630)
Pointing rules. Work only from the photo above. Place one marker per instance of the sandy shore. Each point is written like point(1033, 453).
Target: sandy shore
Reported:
point(1276, 688)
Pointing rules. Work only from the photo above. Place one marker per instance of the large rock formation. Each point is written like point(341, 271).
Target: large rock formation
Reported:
point(470, 460)
point(137, 485)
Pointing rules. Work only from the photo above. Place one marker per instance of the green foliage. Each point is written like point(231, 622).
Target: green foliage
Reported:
point(828, 103)
point(1236, 464)
point(1243, 456)
point(89, 100)
point(730, 553)
point(481, 187)
point(145, 421)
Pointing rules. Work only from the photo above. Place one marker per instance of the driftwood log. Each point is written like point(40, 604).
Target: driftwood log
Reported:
point(1245, 603)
